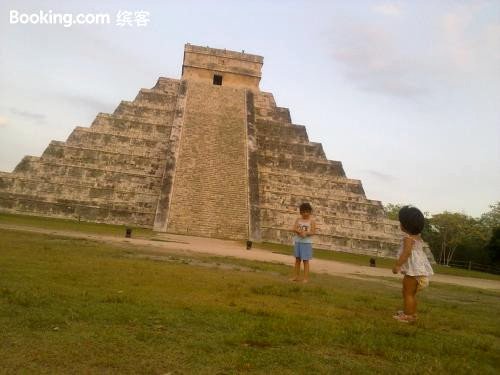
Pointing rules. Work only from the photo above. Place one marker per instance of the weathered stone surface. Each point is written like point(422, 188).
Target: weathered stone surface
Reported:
point(109, 172)
point(210, 194)
point(240, 70)
point(190, 156)
point(166, 190)
point(254, 233)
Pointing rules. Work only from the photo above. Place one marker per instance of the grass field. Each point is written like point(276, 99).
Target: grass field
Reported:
point(119, 230)
point(73, 225)
point(363, 260)
point(79, 306)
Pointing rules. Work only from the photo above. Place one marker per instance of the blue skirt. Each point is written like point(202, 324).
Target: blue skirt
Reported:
point(303, 250)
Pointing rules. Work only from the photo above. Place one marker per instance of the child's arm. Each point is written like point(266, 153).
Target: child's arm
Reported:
point(312, 232)
point(405, 254)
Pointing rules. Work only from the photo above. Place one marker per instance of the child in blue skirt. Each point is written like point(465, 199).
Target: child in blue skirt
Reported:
point(304, 228)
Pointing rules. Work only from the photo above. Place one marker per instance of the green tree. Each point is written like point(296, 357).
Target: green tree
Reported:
point(472, 246)
point(451, 230)
point(493, 247)
point(491, 219)
point(458, 236)
point(392, 210)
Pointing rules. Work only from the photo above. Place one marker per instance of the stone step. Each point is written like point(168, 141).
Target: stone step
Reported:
point(26, 164)
point(33, 164)
point(327, 217)
point(310, 150)
point(98, 158)
point(321, 179)
point(156, 99)
point(356, 235)
point(74, 209)
point(265, 109)
point(94, 139)
point(102, 205)
point(311, 156)
point(146, 136)
point(303, 184)
point(278, 131)
point(59, 149)
point(132, 124)
point(95, 177)
point(9, 181)
point(297, 193)
point(277, 114)
point(167, 85)
point(322, 206)
point(161, 116)
point(310, 167)
point(49, 191)
point(381, 246)
point(285, 215)
point(363, 230)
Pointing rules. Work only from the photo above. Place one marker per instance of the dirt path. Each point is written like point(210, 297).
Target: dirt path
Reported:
point(173, 243)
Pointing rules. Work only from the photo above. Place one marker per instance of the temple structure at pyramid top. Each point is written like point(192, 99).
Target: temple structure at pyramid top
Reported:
point(208, 154)
point(229, 68)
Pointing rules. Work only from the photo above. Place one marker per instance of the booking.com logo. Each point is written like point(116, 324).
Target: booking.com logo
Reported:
point(123, 18)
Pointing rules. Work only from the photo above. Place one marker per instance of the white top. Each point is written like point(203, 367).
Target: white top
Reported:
point(417, 263)
point(304, 225)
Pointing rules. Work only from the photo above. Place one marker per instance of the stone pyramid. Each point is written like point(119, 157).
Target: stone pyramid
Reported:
point(206, 155)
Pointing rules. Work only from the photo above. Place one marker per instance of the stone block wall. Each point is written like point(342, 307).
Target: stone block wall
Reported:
point(293, 170)
point(110, 172)
point(238, 69)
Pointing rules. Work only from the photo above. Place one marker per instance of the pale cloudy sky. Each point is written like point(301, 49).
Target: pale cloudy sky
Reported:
point(405, 93)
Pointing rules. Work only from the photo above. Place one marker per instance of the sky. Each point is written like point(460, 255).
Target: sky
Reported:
point(405, 93)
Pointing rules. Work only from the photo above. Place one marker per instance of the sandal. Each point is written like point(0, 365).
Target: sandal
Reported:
point(403, 318)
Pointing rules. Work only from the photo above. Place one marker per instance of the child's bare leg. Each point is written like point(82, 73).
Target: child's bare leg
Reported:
point(306, 270)
point(409, 295)
point(297, 270)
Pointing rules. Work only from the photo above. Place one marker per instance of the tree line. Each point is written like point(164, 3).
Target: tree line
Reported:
point(454, 236)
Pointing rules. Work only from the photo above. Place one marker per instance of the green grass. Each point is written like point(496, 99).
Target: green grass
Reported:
point(73, 225)
point(79, 306)
point(363, 260)
point(119, 231)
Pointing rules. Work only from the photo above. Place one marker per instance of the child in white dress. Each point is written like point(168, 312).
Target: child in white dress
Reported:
point(412, 262)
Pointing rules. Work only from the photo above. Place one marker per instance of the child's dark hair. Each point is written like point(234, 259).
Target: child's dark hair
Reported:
point(412, 219)
point(305, 207)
